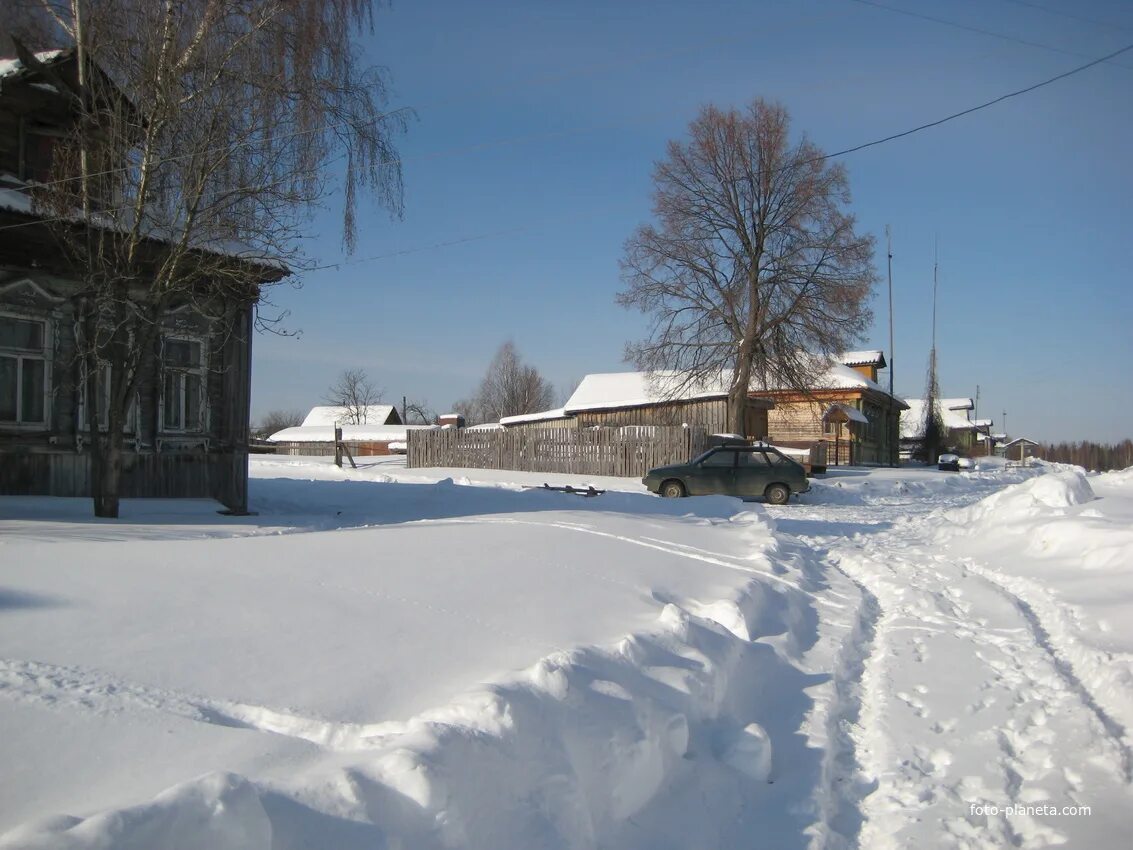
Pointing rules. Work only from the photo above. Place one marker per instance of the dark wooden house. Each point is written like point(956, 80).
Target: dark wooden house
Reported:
point(187, 429)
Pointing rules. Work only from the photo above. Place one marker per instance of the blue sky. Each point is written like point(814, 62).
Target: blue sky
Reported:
point(538, 124)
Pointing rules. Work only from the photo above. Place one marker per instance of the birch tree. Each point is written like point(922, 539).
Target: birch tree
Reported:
point(753, 269)
point(206, 132)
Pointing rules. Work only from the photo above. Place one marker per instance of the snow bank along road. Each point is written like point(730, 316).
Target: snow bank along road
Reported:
point(390, 659)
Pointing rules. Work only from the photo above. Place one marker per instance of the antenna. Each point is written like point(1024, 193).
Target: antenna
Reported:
point(935, 264)
point(895, 454)
point(889, 252)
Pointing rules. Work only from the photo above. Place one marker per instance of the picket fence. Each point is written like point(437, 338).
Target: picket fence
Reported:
point(577, 451)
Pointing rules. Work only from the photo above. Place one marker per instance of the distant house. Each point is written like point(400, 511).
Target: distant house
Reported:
point(187, 431)
point(1020, 448)
point(381, 434)
point(847, 409)
point(620, 399)
point(372, 414)
point(961, 432)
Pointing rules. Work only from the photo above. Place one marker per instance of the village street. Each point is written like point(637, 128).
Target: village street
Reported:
point(402, 656)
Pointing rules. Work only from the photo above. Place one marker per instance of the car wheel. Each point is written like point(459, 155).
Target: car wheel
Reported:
point(672, 489)
point(777, 494)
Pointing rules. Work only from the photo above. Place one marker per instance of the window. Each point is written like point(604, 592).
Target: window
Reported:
point(719, 458)
point(23, 371)
point(39, 153)
point(753, 459)
point(129, 426)
point(183, 385)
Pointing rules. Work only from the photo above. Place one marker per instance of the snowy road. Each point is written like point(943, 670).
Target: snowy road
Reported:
point(967, 699)
point(394, 658)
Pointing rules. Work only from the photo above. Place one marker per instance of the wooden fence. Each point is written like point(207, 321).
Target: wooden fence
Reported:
point(576, 451)
point(358, 448)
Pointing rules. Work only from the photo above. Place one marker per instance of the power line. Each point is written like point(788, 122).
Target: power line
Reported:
point(844, 152)
point(578, 71)
point(980, 30)
point(985, 105)
point(1070, 15)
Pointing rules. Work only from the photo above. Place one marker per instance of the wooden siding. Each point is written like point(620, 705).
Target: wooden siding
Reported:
point(326, 449)
point(543, 424)
point(575, 451)
point(211, 462)
point(797, 421)
point(709, 414)
point(213, 475)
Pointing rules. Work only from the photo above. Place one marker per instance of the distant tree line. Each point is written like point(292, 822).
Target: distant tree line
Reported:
point(1090, 455)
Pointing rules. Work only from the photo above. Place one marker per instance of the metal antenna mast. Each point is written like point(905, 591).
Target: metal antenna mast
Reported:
point(935, 247)
point(889, 252)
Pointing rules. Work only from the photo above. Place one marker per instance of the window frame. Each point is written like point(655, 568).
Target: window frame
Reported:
point(718, 451)
point(181, 374)
point(23, 355)
point(131, 424)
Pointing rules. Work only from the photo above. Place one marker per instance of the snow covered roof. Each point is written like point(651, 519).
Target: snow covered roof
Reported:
point(15, 201)
point(1022, 441)
point(13, 67)
point(851, 413)
point(957, 404)
point(952, 414)
point(486, 426)
point(541, 416)
point(611, 390)
point(350, 433)
point(862, 358)
point(375, 414)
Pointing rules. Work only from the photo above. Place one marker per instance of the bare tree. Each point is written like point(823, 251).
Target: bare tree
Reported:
point(509, 387)
point(277, 420)
point(470, 410)
point(353, 392)
point(418, 413)
point(205, 133)
point(753, 267)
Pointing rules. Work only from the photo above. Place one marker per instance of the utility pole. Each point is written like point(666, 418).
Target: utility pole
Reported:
point(894, 456)
point(1005, 425)
point(889, 252)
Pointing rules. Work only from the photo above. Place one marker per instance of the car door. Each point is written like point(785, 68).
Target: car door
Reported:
point(715, 473)
point(753, 474)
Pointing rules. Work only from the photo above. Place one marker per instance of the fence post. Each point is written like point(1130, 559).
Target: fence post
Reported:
point(338, 446)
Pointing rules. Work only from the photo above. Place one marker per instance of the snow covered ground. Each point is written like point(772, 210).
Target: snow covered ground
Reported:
point(442, 658)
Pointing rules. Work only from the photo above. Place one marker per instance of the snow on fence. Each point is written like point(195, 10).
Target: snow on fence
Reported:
point(579, 451)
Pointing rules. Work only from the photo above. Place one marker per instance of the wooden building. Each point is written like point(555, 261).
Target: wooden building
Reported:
point(847, 408)
point(962, 434)
point(187, 430)
point(847, 411)
point(640, 400)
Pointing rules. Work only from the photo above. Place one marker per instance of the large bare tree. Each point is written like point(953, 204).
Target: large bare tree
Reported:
point(353, 392)
point(206, 132)
point(753, 269)
point(510, 387)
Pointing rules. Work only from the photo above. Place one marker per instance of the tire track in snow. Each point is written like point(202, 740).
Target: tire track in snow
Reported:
point(1114, 730)
point(844, 784)
point(99, 692)
point(667, 547)
point(1033, 705)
